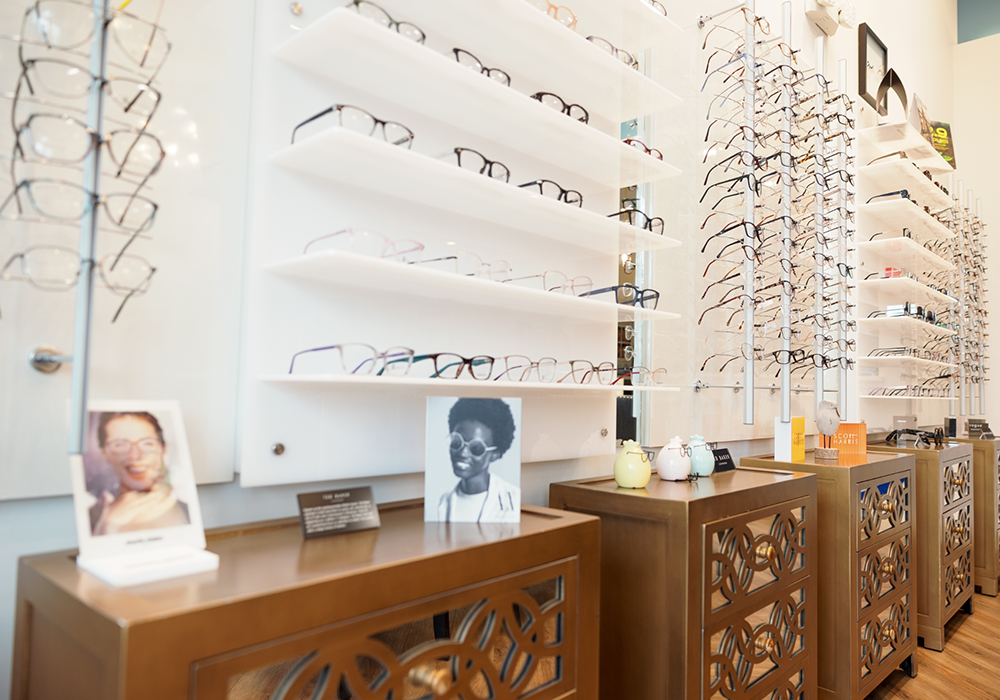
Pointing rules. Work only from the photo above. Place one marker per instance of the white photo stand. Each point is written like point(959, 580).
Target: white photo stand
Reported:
point(129, 536)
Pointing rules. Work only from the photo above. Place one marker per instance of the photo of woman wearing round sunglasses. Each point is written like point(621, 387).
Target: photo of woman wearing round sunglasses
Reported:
point(482, 441)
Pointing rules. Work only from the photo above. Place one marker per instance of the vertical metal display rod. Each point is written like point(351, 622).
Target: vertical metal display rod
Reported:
point(88, 237)
point(955, 229)
point(820, 249)
point(982, 293)
point(786, 211)
point(842, 382)
point(749, 213)
point(958, 309)
point(966, 311)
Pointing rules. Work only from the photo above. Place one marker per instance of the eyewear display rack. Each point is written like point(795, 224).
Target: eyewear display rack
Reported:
point(297, 300)
point(797, 247)
point(986, 536)
point(944, 533)
point(866, 553)
point(902, 246)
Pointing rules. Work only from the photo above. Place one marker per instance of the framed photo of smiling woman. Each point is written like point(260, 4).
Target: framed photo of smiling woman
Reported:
point(134, 488)
point(473, 460)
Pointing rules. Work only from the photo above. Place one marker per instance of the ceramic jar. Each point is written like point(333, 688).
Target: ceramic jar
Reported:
point(702, 459)
point(673, 464)
point(632, 468)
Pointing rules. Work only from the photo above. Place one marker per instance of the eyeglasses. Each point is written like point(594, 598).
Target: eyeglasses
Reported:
point(470, 61)
point(636, 143)
point(375, 13)
point(637, 218)
point(477, 446)
point(469, 159)
point(630, 295)
point(450, 366)
point(67, 202)
point(366, 243)
point(555, 281)
point(656, 6)
point(550, 99)
point(560, 13)
point(623, 56)
point(357, 119)
point(548, 188)
point(470, 264)
point(359, 358)
point(121, 446)
point(641, 376)
point(56, 269)
point(67, 25)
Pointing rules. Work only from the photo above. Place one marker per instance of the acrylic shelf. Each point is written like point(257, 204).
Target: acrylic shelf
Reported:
point(904, 361)
point(426, 386)
point(904, 324)
point(364, 272)
point(527, 44)
point(349, 49)
point(907, 254)
point(901, 136)
point(906, 289)
point(910, 398)
point(345, 156)
point(896, 214)
point(892, 175)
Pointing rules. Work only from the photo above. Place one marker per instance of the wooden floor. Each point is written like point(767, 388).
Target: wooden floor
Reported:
point(967, 669)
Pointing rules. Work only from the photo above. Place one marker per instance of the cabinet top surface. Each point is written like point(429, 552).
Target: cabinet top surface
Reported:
point(949, 450)
point(739, 479)
point(844, 462)
point(994, 443)
point(264, 558)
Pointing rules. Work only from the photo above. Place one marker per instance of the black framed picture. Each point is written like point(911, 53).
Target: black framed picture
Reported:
point(873, 64)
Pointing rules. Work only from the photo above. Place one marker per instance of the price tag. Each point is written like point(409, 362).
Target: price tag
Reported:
point(334, 512)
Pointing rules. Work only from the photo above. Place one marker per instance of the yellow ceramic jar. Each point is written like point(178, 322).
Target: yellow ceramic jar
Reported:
point(632, 468)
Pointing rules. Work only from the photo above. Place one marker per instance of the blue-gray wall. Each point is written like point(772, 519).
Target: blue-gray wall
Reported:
point(978, 18)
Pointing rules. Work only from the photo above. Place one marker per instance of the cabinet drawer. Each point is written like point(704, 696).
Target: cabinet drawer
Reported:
point(956, 529)
point(744, 654)
point(957, 581)
point(884, 570)
point(883, 507)
point(956, 482)
point(884, 637)
point(748, 555)
point(793, 688)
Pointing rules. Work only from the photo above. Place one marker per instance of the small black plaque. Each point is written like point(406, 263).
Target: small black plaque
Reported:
point(723, 460)
point(334, 512)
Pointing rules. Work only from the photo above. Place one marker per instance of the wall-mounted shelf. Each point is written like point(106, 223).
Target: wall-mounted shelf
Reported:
point(425, 386)
point(892, 175)
point(523, 41)
point(896, 214)
point(905, 253)
point(894, 361)
point(906, 289)
point(347, 48)
point(345, 156)
point(908, 398)
point(901, 136)
point(903, 325)
point(363, 272)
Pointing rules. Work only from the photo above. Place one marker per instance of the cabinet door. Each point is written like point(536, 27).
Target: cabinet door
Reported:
point(754, 651)
point(957, 529)
point(884, 570)
point(883, 508)
point(884, 638)
point(958, 581)
point(509, 638)
point(956, 482)
point(749, 555)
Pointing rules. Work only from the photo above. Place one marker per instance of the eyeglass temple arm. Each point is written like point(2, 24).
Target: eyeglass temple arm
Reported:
point(313, 118)
point(128, 296)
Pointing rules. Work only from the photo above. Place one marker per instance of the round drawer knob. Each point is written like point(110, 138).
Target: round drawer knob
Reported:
point(959, 529)
point(889, 635)
point(958, 481)
point(887, 507)
point(767, 552)
point(436, 680)
point(764, 644)
point(888, 568)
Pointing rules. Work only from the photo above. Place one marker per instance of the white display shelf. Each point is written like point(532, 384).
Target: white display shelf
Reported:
point(450, 387)
point(906, 253)
point(524, 41)
point(345, 156)
point(904, 362)
point(361, 271)
point(347, 48)
point(909, 398)
point(901, 136)
point(904, 325)
point(906, 289)
point(892, 175)
point(896, 214)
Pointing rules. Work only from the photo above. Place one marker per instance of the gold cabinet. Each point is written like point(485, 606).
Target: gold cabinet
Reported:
point(944, 533)
point(986, 545)
point(707, 587)
point(865, 569)
point(493, 610)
